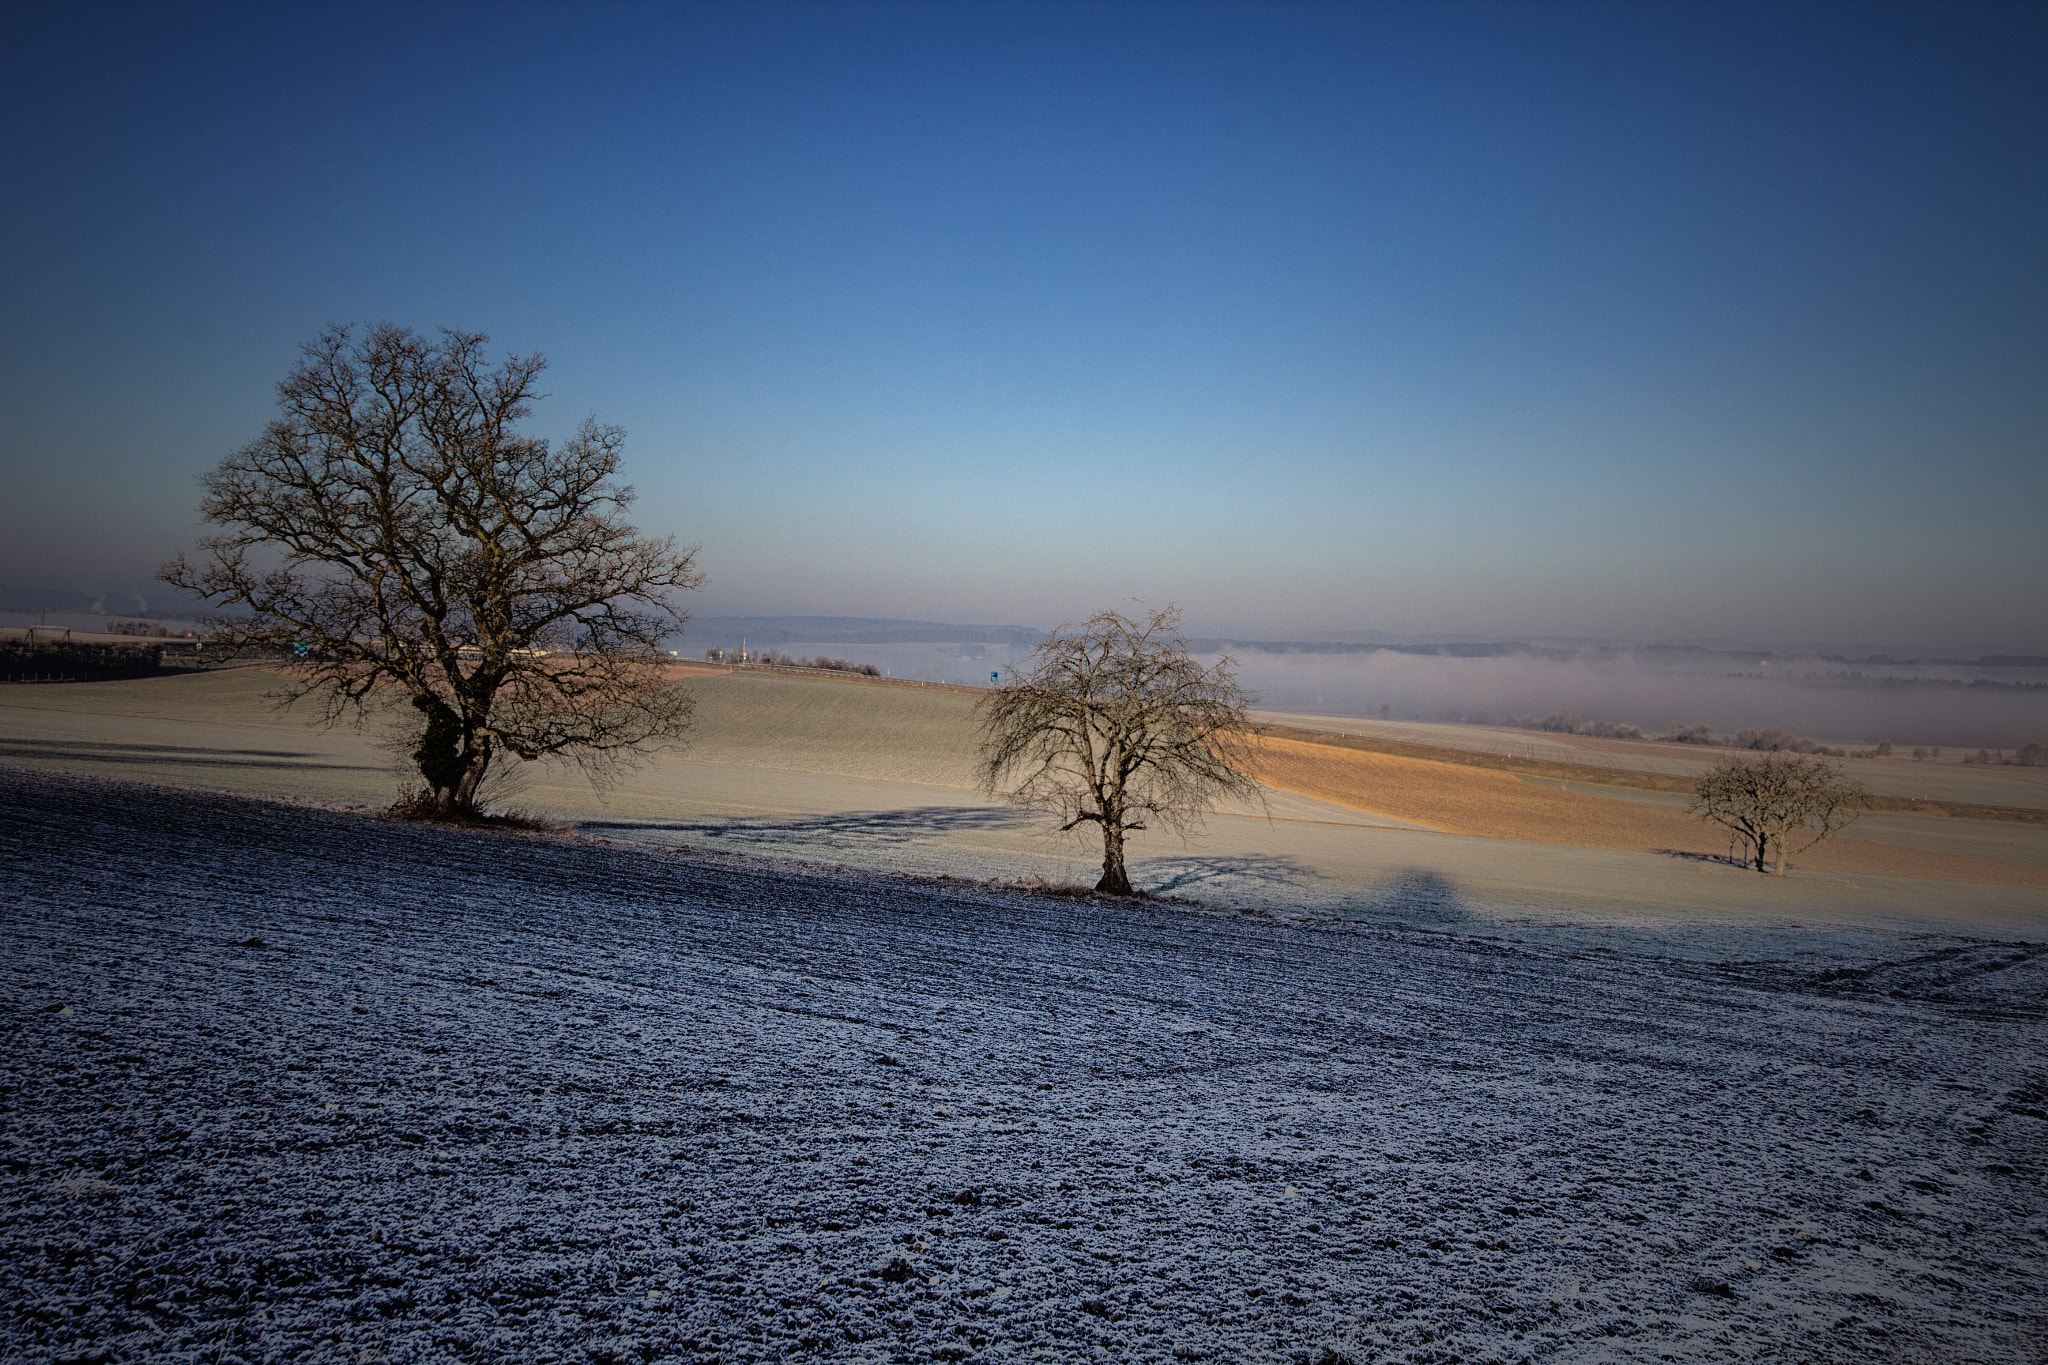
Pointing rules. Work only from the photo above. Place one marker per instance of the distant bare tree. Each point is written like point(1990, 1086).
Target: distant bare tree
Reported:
point(1689, 734)
point(1770, 801)
point(395, 528)
point(1114, 723)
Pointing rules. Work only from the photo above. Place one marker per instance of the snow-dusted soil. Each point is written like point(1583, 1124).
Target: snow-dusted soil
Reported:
point(284, 1083)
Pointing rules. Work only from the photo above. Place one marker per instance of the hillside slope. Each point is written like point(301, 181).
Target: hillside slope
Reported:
point(287, 1082)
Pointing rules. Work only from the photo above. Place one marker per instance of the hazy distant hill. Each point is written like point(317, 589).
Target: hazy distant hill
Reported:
point(1681, 654)
point(1571, 646)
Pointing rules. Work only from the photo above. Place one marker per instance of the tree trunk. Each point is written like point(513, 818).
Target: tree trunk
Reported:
point(1763, 853)
point(1114, 881)
point(449, 759)
point(468, 788)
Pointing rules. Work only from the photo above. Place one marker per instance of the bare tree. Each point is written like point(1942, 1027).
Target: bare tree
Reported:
point(1768, 802)
point(397, 530)
point(1113, 723)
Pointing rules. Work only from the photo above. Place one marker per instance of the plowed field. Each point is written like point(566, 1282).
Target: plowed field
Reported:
point(284, 1084)
point(1457, 799)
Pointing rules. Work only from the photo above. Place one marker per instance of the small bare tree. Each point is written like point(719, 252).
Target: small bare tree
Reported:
point(1114, 723)
point(1768, 802)
point(395, 529)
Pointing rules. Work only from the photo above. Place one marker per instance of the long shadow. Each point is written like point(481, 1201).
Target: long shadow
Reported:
point(1721, 859)
point(846, 829)
point(99, 751)
point(1251, 872)
point(1414, 897)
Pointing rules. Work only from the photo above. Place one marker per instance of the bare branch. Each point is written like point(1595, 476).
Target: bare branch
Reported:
point(1115, 722)
point(416, 539)
point(1771, 802)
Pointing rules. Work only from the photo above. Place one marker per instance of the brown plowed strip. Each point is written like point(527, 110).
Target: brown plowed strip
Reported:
point(1499, 805)
point(1627, 777)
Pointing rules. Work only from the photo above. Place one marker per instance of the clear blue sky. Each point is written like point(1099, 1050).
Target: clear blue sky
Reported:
point(1627, 321)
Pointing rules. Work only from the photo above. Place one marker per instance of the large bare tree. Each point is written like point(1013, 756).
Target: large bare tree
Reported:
point(1772, 801)
point(1113, 723)
point(395, 524)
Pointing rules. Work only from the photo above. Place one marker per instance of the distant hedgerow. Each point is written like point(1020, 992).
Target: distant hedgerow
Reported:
point(771, 658)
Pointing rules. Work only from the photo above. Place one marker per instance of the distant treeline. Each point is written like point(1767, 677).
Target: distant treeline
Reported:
point(153, 629)
point(64, 661)
point(1988, 661)
point(1568, 723)
point(729, 631)
point(836, 665)
point(1772, 740)
point(1863, 682)
point(2026, 756)
point(769, 658)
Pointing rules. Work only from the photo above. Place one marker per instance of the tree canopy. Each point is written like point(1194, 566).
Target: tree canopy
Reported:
point(1113, 723)
point(395, 523)
point(1772, 801)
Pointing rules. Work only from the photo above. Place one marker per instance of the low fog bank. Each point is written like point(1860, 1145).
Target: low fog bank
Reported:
point(1910, 698)
point(953, 661)
point(1946, 705)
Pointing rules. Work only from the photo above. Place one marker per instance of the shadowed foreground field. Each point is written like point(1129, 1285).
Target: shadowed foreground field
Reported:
point(287, 1084)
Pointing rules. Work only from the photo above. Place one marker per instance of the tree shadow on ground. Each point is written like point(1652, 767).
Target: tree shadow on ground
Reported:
point(842, 830)
point(103, 751)
point(1695, 856)
point(1413, 897)
point(1251, 872)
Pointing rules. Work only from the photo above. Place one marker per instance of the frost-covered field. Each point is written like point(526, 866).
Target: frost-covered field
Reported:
point(283, 1083)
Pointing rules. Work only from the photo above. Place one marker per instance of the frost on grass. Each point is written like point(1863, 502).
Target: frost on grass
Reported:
point(286, 1084)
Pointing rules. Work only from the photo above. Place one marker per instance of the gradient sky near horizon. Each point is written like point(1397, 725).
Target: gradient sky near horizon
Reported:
point(1623, 321)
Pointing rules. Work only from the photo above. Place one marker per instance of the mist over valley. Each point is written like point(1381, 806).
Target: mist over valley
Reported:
point(1912, 697)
